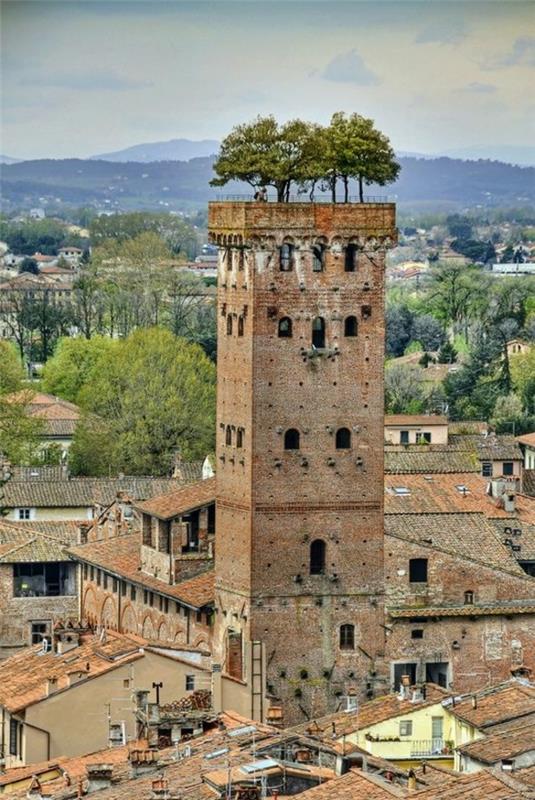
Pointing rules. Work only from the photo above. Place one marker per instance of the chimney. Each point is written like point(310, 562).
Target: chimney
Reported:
point(143, 762)
point(405, 687)
point(474, 701)
point(411, 785)
point(98, 777)
point(67, 640)
point(160, 788)
point(509, 502)
point(51, 686)
point(83, 529)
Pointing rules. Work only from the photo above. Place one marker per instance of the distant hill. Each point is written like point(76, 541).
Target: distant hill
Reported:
point(175, 185)
point(173, 150)
point(8, 160)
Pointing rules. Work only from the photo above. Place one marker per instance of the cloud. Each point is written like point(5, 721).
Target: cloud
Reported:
point(478, 88)
point(450, 31)
point(99, 80)
point(350, 68)
point(522, 53)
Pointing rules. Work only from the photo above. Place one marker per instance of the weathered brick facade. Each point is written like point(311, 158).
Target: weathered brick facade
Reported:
point(285, 269)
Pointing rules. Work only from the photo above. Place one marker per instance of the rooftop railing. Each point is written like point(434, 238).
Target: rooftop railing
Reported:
point(304, 198)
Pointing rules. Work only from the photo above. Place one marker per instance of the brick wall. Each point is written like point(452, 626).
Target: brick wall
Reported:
point(272, 502)
point(18, 613)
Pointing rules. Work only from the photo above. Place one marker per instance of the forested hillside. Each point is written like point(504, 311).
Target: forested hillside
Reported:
point(178, 184)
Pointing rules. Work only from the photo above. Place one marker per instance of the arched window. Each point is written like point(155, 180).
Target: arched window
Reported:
point(317, 557)
point(343, 439)
point(286, 257)
point(239, 437)
point(347, 637)
point(229, 257)
point(469, 598)
point(351, 326)
point(350, 261)
point(291, 439)
point(318, 257)
point(228, 435)
point(285, 327)
point(229, 325)
point(240, 326)
point(318, 332)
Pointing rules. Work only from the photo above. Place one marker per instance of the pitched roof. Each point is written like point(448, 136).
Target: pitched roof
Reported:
point(122, 556)
point(81, 492)
point(457, 492)
point(354, 785)
point(25, 544)
point(173, 504)
point(474, 786)
point(468, 535)
point(429, 461)
point(495, 705)
point(415, 419)
point(498, 608)
point(374, 711)
point(527, 438)
point(503, 745)
point(24, 677)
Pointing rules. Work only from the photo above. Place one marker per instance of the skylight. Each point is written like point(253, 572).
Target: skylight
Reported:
point(402, 490)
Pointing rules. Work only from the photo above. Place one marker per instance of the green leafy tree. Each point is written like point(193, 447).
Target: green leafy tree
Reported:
point(11, 369)
point(73, 365)
point(508, 414)
point(20, 433)
point(356, 149)
point(403, 390)
point(154, 393)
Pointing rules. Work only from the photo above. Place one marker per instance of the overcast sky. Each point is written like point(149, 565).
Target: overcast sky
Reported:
point(85, 77)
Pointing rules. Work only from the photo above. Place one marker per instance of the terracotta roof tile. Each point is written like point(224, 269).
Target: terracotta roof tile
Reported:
point(527, 438)
point(415, 419)
point(24, 676)
point(445, 492)
point(81, 492)
point(122, 556)
point(469, 535)
point(378, 710)
point(475, 786)
point(174, 504)
point(502, 745)
point(496, 705)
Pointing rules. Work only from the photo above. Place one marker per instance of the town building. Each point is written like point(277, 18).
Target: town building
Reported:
point(299, 556)
point(81, 691)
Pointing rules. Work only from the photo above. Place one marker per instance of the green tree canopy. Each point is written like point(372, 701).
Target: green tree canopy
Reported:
point(153, 394)
point(264, 153)
point(73, 365)
point(11, 369)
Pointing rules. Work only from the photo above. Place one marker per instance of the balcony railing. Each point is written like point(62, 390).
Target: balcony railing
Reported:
point(304, 198)
point(424, 748)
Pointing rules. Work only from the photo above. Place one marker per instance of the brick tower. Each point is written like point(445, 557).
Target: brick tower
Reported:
point(299, 553)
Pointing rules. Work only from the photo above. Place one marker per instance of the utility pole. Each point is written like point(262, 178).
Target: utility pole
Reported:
point(157, 686)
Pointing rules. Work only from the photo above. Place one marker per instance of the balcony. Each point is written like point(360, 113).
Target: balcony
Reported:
point(427, 748)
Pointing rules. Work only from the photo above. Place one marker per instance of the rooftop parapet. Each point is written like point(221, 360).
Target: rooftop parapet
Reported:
point(236, 221)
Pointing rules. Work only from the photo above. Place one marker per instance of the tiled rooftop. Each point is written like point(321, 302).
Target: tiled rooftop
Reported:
point(122, 556)
point(415, 419)
point(448, 492)
point(496, 705)
point(378, 710)
point(474, 786)
point(173, 504)
point(504, 745)
point(468, 535)
point(24, 676)
point(81, 492)
point(354, 785)
point(26, 544)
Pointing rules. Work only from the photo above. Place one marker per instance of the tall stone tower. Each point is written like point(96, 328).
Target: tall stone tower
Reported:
point(299, 553)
